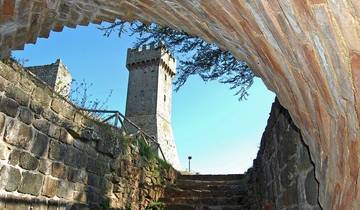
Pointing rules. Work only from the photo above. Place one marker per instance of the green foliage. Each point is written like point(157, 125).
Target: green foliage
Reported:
point(194, 55)
point(105, 205)
point(156, 206)
point(145, 150)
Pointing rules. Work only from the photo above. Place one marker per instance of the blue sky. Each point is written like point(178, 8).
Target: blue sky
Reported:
point(221, 133)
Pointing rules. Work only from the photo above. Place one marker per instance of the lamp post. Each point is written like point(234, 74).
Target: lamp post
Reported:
point(189, 157)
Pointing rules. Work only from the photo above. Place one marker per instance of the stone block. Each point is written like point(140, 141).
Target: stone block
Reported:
point(109, 146)
point(28, 162)
point(14, 157)
point(40, 145)
point(75, 175)
point(18, 134)
point(72, 156)
point(36, 107)
point(311, 188)
point(31, 183)
point(2, 122)
point(50, 187)
point(91, 166)
point(26, 116)
point(17, 94)
point(54, 131)
point(42, 125)
point(14, 179)
point(9, 106)
point(42, 96)
point(3, 84)
point(93, 180)
point(63, 108)
point(66, 137)
point(58, 170)
point(65, 190)
point(80, 196)
point(57, 151)
point(45, 166)
point(4, 151)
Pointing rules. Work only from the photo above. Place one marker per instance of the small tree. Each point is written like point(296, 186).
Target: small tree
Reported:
point(195, 56)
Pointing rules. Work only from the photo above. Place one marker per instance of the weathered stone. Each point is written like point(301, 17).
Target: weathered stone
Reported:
point(290, 196)
point(54, 131)
point(18, 134)
point(45, 166)
point(14, 179)
point(109, 146)
point(65, 190)
point(58, 170)
point(14, 157)
point(57, 151)
point(42, 96)
point(72, 157)
point(42, 125)
point(80, 196)
point(4, 151)
point(3, 84)
point(9, 106)
point(50, 187)
point(40, 145)
point(63, 108)
point(311, 188)
point(66, 137)
point(288, 174)
point(36, 107)
point(93, 180)
point(28, 161)
point(75, 175)
point(26, 116)
point(2, 122)
point(31, 183)
point(17, 94)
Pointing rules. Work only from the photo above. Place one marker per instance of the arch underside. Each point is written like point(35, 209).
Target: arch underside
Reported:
point(306, 51)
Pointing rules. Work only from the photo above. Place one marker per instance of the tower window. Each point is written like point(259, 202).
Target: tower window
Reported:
point(165, 77)
point(164, 98)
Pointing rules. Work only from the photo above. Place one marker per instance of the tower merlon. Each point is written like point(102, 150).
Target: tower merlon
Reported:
point(150, 53)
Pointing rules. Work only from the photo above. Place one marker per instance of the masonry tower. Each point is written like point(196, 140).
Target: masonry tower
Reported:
point(56, 75)
point(151, 69)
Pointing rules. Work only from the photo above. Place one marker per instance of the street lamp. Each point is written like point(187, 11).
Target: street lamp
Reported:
point(189, 157)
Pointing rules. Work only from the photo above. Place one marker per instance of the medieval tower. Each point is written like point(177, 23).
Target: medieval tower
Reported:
point(151, 69)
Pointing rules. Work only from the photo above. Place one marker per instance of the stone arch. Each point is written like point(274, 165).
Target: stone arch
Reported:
point(307, 52)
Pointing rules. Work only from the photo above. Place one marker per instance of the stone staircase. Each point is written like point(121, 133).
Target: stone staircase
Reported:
point(207, 192)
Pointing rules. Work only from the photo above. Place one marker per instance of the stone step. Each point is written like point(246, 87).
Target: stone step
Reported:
point(211, 186)
point(205, 201)
point(173, 192)
point(189, 207)
point(208, 177)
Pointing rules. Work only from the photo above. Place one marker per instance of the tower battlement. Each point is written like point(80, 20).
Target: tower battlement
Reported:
point(137, 57)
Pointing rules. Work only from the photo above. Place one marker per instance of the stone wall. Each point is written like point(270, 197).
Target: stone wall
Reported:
point(53, 156)
point(283, 175)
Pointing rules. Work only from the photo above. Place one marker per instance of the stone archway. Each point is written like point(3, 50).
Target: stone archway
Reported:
point(307, 52)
